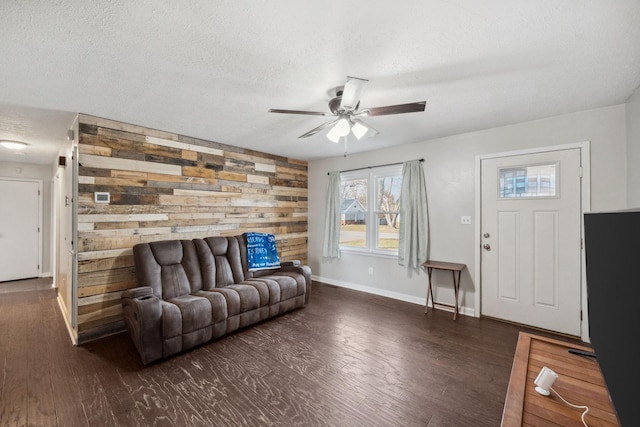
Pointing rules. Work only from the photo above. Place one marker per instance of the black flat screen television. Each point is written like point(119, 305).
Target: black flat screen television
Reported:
point(612, 252)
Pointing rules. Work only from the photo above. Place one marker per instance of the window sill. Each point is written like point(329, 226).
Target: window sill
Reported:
point(351, 251)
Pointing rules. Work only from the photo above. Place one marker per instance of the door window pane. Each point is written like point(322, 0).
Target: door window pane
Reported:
point(528, 181)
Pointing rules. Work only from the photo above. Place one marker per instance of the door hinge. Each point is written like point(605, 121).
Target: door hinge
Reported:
point(581, 243)
point(38, 229)
point(581, 172)
point(580, 314)
point(38, 192)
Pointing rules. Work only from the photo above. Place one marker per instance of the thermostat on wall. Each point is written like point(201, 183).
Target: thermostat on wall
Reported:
point(101, 197)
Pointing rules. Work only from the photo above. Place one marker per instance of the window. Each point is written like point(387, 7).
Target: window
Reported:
point(370, 210)
point(528, 181)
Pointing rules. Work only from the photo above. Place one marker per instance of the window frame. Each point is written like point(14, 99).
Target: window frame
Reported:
point(371, 175)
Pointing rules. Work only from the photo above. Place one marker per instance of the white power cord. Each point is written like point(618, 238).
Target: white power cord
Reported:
point(586, 408)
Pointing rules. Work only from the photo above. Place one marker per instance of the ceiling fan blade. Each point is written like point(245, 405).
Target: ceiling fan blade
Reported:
point(319, 128)
point(309, 113)
point(412, 107)
point(351, 93)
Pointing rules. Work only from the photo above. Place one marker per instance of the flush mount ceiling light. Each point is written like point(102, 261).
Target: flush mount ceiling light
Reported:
point(13, 145)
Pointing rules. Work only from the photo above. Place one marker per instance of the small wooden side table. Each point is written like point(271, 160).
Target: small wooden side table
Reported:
point(450, 266)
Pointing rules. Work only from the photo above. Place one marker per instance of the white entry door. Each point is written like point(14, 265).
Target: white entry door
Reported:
point(531, 239)
point(19, 229)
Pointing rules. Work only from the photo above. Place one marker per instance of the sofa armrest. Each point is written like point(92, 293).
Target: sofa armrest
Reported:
point(142, 312)
point(290, 263)
point(299, 268)
point(284, 266)
point(305, 270)
point(137, 292)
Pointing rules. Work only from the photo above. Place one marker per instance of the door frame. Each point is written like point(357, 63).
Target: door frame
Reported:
point(585, 198)
point(40, 214)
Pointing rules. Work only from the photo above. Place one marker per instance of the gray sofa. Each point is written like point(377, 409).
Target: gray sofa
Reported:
point(193, 291)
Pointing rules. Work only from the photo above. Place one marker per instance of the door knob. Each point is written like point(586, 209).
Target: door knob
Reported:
point(487, 246)
point(486, 235)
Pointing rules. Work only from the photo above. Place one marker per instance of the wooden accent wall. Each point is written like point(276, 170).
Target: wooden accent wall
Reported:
point(168, 186)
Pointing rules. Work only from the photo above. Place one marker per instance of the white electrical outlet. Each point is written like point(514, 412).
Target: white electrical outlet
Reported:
point(466, 220)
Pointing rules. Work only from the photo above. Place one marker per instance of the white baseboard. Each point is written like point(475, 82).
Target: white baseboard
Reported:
point(72, 333)
point(371, 290)
point(390, 294)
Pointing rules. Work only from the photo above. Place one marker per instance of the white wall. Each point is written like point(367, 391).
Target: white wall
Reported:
point(450, 174)
point(633, 150)
point(43, 173)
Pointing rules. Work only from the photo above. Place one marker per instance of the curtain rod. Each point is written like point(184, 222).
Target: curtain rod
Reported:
point(370, 167)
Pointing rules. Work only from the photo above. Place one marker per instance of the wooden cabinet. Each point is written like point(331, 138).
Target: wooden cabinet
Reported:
point(580, 382)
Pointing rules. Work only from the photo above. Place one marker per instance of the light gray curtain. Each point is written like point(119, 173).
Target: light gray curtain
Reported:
point(414, 220)
point(331, 243)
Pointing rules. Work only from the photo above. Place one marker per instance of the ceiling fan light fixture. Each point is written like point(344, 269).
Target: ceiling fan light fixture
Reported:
point(341, 128)
point(13, 145)
point(333, 138)
point(359, 130)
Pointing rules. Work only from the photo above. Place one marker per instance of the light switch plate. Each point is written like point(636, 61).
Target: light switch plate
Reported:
point(466, 220)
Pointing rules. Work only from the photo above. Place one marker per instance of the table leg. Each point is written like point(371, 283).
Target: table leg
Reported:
point(429, 290)
point(456, 287)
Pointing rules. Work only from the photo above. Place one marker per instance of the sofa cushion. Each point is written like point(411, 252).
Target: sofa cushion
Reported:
point(269, 292)
point(280, 288)
point(220, 261)
point(171, 328)
point(195, 312)
point(169, 267)
point(240, 298)
point(249, 296)
point(218, 305)
point(290, 284)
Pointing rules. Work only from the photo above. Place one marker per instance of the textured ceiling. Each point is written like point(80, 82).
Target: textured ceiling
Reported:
point(212, 69)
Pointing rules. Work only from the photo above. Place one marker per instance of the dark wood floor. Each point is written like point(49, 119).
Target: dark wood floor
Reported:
point(346, 359)
point(35, 284)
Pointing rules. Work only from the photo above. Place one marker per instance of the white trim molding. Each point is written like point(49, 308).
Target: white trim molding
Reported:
point(389, 294)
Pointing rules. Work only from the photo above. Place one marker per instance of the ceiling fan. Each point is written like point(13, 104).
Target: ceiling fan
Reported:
point(345, 108)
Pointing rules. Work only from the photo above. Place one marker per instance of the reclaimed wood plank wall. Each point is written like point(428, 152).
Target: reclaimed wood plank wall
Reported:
point(168, 186)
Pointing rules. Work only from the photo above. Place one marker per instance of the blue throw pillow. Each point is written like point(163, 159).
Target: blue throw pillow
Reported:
point(261, 251)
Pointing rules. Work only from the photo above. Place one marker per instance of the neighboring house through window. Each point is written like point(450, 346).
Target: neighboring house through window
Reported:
point(352, 212)
point(370, 210)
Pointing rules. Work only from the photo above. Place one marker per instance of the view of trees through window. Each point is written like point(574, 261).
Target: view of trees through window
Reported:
point(371, 198)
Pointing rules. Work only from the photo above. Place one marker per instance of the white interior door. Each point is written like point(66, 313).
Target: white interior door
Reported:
point(19, 229)
point(531, 239)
